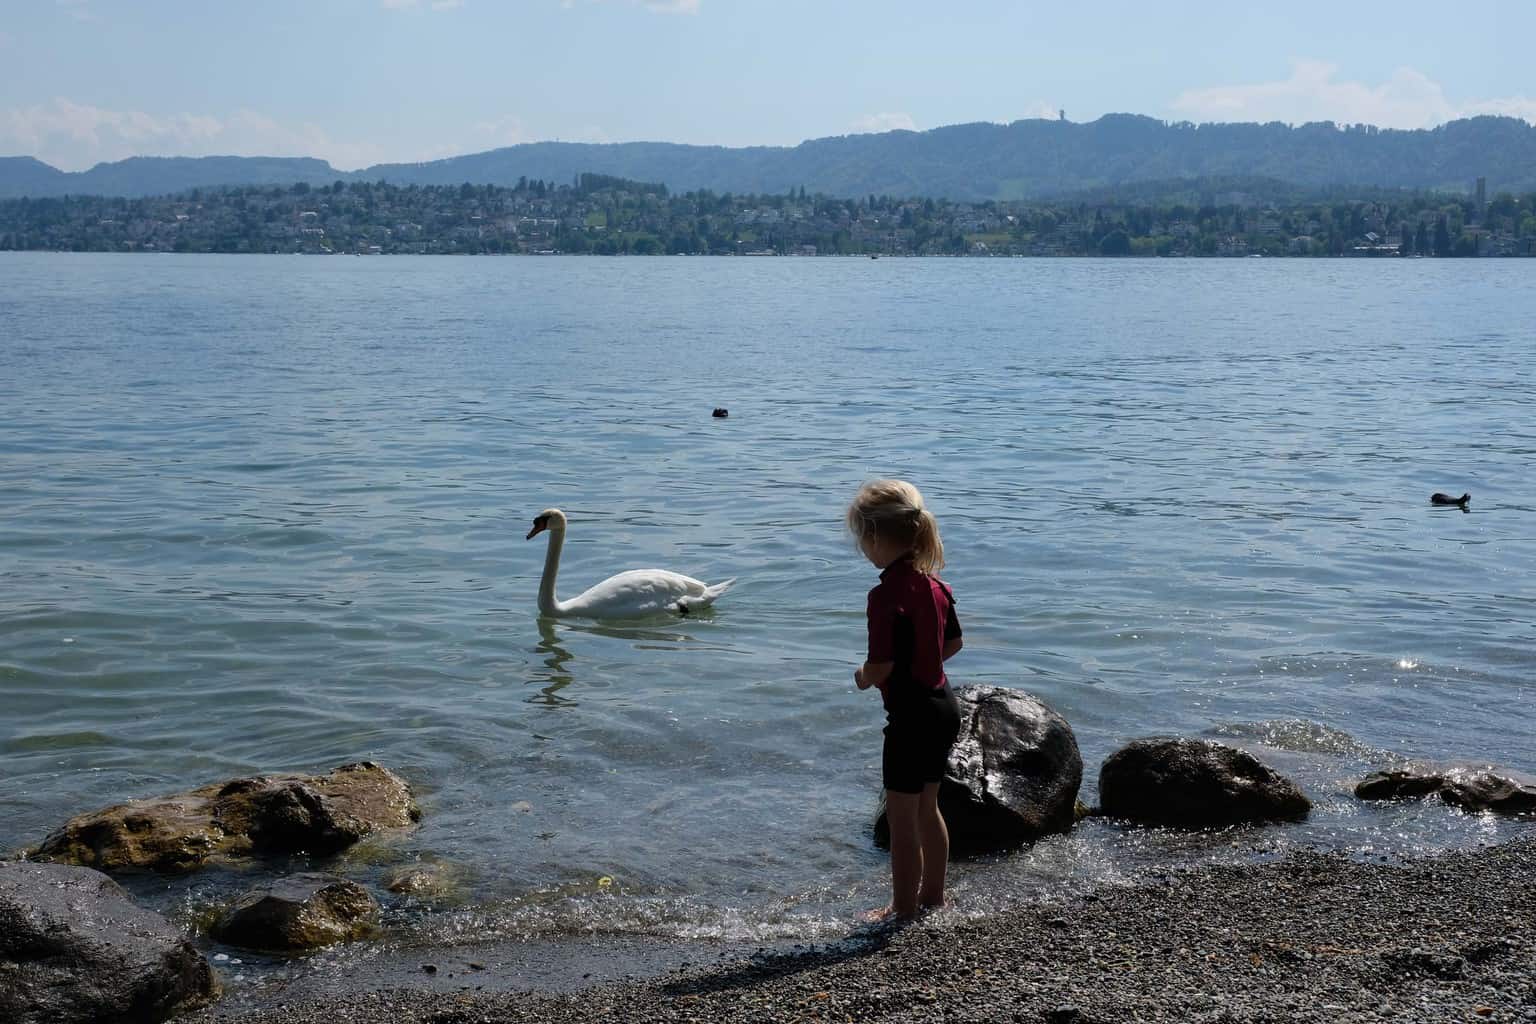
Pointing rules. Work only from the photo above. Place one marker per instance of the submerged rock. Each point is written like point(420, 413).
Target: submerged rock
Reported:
point(296, 913)
point(73, 948)
point(318, 814)
point(1196, 783)
point(430, 881)
point(1013, 774)
point(1471, 788)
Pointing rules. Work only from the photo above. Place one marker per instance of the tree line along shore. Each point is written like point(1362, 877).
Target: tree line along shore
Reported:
point(604, 215)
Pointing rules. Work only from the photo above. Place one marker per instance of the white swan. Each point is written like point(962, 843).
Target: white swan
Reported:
point(629, 594)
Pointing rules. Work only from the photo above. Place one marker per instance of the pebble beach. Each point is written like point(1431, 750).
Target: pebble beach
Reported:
point(1314, 937)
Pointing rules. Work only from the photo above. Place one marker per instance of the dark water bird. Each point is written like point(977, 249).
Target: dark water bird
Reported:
point(720, 414)
point(1445, 499)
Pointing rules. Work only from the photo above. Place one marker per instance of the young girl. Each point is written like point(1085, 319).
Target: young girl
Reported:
point(912, 632)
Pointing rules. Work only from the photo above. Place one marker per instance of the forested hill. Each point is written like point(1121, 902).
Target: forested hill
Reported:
point(970, 162)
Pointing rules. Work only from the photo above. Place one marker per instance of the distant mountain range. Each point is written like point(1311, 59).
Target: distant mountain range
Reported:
point(971, 162)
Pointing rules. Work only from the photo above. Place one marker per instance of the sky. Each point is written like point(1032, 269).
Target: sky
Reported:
point(358, 82)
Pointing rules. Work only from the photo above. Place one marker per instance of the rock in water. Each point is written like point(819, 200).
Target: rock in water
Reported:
point(434, 881)
point(1471, 788)
point(296, 913)
point(319, 814)
point(1013, 774)
point(1195, 783)
point(74, 949)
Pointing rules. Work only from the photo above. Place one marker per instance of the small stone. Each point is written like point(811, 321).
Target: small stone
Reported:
point(429, 968)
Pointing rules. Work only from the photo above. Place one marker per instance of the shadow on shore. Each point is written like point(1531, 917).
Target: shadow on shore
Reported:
point(767, 965)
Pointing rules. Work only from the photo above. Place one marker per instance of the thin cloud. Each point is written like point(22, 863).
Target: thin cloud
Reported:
point(654, 6)
point(1407, 99)
point(503, 131)
point(1040, 110)
point(1523, 107)
point(74, 136)
point(406, 5)
point(77, 10)
point(884, 123)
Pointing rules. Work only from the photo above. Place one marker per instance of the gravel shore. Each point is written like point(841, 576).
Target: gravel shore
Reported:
point(1316, 937)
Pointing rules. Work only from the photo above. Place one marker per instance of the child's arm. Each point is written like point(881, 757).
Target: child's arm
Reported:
point(952, 639)
point(873, 673)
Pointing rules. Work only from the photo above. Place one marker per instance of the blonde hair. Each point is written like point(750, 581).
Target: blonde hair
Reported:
point(893, 510)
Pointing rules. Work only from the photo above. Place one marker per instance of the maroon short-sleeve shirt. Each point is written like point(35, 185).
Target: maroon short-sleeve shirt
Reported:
point(911, 618)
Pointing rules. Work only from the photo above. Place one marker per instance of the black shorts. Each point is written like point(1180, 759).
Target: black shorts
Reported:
point(921, 726)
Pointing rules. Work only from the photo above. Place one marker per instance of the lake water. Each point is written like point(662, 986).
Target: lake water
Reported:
point(267, 514)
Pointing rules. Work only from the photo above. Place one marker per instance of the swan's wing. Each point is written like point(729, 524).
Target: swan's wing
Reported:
point(636, 592)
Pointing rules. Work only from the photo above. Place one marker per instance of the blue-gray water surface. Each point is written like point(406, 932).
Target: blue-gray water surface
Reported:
point(264, 514)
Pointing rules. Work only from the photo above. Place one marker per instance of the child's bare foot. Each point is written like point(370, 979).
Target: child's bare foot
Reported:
point(889, 914)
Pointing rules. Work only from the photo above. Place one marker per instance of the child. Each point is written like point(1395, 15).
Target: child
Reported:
point(912, 632)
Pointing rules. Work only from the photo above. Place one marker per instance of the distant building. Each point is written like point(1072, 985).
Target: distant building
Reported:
point(1482, 195)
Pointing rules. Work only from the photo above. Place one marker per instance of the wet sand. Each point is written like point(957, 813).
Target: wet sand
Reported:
point(1316, 937)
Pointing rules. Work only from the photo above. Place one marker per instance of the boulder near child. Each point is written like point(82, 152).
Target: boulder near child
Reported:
point(913, 630)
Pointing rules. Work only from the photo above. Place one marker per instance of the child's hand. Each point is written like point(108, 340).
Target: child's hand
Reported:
point(873, 673)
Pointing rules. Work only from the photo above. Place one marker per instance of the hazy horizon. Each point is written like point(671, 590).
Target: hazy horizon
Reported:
point(449, 156)
point(362, 82)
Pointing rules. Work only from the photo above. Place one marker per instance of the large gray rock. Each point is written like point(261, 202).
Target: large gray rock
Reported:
point(1013, 773)
point(1195, 783)
point(1471, 788)
point(74, 949)
point(299, 912)
point(319, 814)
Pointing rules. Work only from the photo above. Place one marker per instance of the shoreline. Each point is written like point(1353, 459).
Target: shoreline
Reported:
point(1313, 937)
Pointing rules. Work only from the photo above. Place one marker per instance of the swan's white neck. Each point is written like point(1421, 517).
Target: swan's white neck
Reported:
point(549, 604)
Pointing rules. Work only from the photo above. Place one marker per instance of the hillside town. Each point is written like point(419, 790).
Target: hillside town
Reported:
point(604, 215)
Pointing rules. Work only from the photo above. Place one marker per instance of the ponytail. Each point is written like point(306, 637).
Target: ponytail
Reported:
point(927, 548)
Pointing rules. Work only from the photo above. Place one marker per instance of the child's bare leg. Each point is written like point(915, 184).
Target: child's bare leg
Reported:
point(901, 811)
point(933, 836)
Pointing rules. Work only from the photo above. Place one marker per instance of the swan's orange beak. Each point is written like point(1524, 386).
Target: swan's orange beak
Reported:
point(539, 526)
